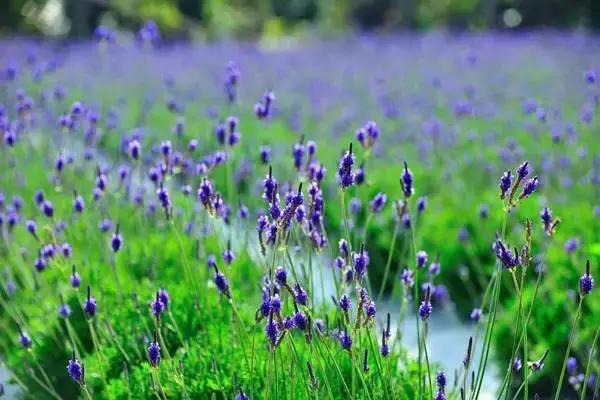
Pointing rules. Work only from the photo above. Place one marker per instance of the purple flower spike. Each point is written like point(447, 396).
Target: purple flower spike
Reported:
point(24, 339)
point(345, 340)
point(116, 241)
point(361, 261)
point(378, 202)
point(228, 255)
point(529, 187)
point(154, 353)
point(281, 276)
point(407, 181)
point(586, 282)
point(345, 175)
point(76, 370)
point(425, 307)
point(75, 279)
point(221, 283)
point(421, 258)
point(505, 183)
point(345, 303)
point(89, 306)
point(157, 306)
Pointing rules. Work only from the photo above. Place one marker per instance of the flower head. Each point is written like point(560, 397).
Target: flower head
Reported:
point(345, 175)
point(89, 306)
point(116, 241)
point(345, 340)
point(221, 283)
point(76, 370)
point(24, 339)
point(406, 181)
point(361, 261)
point(421, 258)
point(529, 187)
point(586, 282)
point(425, 307)
point(153, 352)
point(378, 202)
point(505, 183)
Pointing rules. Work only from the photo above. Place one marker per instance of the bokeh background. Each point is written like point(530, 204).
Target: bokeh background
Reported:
point(213, 19)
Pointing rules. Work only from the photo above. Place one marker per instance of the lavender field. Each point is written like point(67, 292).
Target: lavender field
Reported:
point(406, 216)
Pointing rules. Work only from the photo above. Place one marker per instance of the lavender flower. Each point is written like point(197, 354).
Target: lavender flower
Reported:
point(47, 208)
point(517, 364)
point(153, 353)
point(228, 255)
point(265, 154)
point(78, 203)
point(505, 183)
point(205, 192)
point(345, 340)
point(76, 370)
point(421, 204)
point(586, 282)
point(64, 310)
point(31, 227)
point(221, 283)
point(242, 396)
point(509, 260)
point(421, 258)
point(407, 278)
point(571, 365)
point(345, 303)
point(275, 304)
point(571, 245)
point(24, 339)
point(75, 279)
point(529, 187)
point(378, 202)
point(116, 241)
point(359, 175)
point(538, 365)
point(157, 306)
point(272, 331)
point(345, 175)
point(425, 307)
point(370, 309)
point(476, 315)
point(361, 261)
point(300, 320)
point(406, 181)
point(298, 154)
point(300, 295)
point(343, 246)
point(89, 306)
point(281, 276)
point(355, 206)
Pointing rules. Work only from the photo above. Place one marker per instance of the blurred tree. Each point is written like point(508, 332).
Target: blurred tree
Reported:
point(250, 18)
point(295, 10)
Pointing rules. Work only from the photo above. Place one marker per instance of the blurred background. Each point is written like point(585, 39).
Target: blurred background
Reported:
point(255, 19)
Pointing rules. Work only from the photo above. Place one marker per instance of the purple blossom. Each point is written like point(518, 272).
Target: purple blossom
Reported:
point(75, 370)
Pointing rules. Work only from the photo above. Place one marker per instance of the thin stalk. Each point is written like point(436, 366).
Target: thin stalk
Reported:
point(562, 371)
point(427, 360)
point(588, 368)
point(389, 262)
point(520, 388)
point(337, 367)
point(521, 318)
point(87, 393)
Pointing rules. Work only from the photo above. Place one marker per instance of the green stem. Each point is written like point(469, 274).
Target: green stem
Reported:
point(388, 263)
point(427, 360)
point(588, 368)
point(571, 335)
